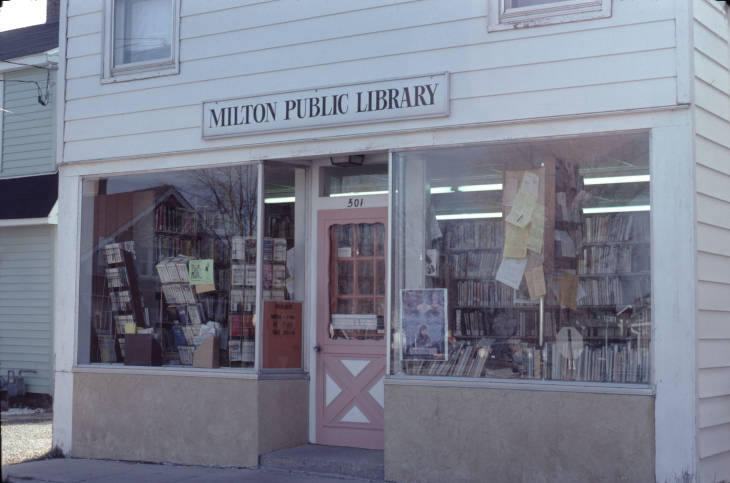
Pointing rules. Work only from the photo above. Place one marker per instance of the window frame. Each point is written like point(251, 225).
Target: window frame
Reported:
point(144, 69)
point(503, 17)
point(397, 267)
point(2, 124)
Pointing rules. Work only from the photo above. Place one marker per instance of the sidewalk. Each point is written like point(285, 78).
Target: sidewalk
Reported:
point(65, 470)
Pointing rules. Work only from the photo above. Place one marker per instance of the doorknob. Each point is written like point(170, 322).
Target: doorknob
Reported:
point(317, 348)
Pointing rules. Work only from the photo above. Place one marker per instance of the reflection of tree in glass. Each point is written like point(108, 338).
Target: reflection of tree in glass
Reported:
point(230, 194)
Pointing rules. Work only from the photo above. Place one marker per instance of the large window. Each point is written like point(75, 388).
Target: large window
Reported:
point(176, 271)
point(141, 38)
point(509, 14)
point(526, 260)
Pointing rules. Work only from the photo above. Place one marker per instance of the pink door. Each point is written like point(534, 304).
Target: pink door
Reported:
point(351, 327)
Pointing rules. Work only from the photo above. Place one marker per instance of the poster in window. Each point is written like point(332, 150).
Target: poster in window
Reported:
point(423, 314)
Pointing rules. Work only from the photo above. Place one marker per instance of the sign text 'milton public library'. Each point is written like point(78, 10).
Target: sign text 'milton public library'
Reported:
point(414, 97)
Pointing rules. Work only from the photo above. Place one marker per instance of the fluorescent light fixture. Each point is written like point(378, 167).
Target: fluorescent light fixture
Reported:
point(437, 190)
point(284, 199)
point(468, 216)
point(616, 209)
point(480, 187)
point(641, 178)
point(359, 193)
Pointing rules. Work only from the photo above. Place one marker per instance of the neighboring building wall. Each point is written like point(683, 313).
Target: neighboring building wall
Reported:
point(26, 303)
point(712, 154)
point(244, 48)
point(29, 129)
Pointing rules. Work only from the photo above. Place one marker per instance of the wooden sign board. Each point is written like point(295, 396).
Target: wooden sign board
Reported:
point(282, 335)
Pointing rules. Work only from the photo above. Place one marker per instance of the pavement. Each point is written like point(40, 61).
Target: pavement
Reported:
point(64, 470)
point(17, 416)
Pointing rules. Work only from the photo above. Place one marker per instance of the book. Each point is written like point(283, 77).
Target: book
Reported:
point(106, 348)
point(179, 335)
point(268, 276)
point(237, 248)
point(268, 249)
point(236, 302)
point(250, 275)
point(278, 276)
point(237, 274)
point(279, 248)
point(250, 249)
point(481, 361)
point(235, 324)
point(249, 299)
point(196, 314)
point(234, 350)
point(182, 314)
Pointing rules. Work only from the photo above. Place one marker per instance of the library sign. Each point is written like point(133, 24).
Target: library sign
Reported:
point(408, 98)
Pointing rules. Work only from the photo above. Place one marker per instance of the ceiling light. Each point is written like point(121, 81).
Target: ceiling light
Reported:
point(616, 209)
point(468, 216)
point(345, 161)
point(359, 193)
point(480, 187)
point(284, 199)
point(642, 178)
point(437, 190)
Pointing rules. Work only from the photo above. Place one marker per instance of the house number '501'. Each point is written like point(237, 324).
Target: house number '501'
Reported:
point(354, 202)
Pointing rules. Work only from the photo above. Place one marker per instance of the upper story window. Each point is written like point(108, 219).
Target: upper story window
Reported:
point(141, 40)
point(509, 14)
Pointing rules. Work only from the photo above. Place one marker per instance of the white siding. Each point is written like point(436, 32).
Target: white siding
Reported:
point(239, 48)
point(711, 33)
point(26, 304)
point(29, 129)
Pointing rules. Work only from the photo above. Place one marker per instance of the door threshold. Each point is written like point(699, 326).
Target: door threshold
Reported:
point(340, 461)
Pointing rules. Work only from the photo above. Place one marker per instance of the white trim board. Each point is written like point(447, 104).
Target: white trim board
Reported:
point(28, 222)
point(49, 57)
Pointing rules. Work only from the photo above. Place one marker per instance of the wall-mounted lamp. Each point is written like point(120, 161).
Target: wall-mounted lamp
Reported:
point(346, 161)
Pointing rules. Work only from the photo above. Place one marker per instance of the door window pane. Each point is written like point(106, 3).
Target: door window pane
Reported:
point(365, 278)
point(345, 277)
point(352, 293)
point(365, 240)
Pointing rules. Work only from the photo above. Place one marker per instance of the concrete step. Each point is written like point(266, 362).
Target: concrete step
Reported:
point(327, 460)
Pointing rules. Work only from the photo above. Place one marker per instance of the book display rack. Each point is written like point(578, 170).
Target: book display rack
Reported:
point(242, 306)
point(181, 297)
point(125, 301)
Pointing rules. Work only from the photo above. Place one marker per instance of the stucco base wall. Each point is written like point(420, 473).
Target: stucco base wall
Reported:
point(283, 414)
point(182, 419)
point(477, 434)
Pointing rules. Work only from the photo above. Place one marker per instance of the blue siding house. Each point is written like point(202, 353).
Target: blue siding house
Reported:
point(28, 193)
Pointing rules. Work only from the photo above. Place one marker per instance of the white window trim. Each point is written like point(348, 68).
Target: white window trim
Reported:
point(138, 70)
point(2, 124)
point(501, 17)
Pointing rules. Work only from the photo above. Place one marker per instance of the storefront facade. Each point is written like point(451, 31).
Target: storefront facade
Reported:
point(469, 244)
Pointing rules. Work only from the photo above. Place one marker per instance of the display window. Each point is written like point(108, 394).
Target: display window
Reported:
point(524, 260)
point(174, 265)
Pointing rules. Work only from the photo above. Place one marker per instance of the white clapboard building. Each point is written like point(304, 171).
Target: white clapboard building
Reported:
point(487, 237)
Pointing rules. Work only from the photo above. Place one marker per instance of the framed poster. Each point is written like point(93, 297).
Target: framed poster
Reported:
point(423, 315)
